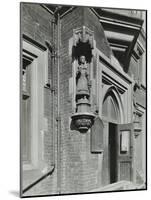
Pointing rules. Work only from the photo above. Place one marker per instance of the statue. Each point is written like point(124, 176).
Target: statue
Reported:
point(82, 77)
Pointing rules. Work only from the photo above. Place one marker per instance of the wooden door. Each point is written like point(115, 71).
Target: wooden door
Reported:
point(125, 152)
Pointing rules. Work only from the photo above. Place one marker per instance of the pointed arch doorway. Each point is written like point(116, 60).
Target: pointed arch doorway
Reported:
point(118, 153)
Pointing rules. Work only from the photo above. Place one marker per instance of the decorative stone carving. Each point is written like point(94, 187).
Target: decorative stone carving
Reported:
point(83, 119)
point(82, 77)
point(84, 35)
point(137, 125)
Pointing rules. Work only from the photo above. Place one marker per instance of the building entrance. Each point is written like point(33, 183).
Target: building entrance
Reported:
point(112, 152)
point(120, 152)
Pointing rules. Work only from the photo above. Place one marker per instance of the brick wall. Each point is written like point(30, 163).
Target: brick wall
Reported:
point(92, 21)
point(70, 162)
point(80, 169)
point(35, 22)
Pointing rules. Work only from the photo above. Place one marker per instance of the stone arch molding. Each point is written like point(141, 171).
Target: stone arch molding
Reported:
point(113, 91)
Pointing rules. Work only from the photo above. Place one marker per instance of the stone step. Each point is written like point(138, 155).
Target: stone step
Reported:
point(120, 185)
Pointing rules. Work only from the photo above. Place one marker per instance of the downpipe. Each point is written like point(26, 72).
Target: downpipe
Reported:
point(58, 111)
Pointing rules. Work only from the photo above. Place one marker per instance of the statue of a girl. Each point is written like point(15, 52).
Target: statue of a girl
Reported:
point(82, 76)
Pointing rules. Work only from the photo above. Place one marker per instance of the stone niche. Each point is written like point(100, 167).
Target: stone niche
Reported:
point(83, 42)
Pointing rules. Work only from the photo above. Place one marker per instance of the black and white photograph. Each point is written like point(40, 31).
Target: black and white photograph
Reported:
point(83, 99)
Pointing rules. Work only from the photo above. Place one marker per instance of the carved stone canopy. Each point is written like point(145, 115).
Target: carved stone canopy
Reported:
point(84, 35)
point(83, 42)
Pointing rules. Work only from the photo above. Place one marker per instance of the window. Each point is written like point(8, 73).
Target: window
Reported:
point(26, 110)
point(29, 108)
point(33, 123)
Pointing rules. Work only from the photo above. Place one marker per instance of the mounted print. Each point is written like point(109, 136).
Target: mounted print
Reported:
point(83, 99)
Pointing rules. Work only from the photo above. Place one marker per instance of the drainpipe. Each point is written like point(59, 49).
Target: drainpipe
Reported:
point(58, 105)
point(56, 56)
point(53, 89)
point(51, 85)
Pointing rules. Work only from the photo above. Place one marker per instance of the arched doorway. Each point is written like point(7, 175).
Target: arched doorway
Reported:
point(111, 113)
point(110, 108)
point(118, 155)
